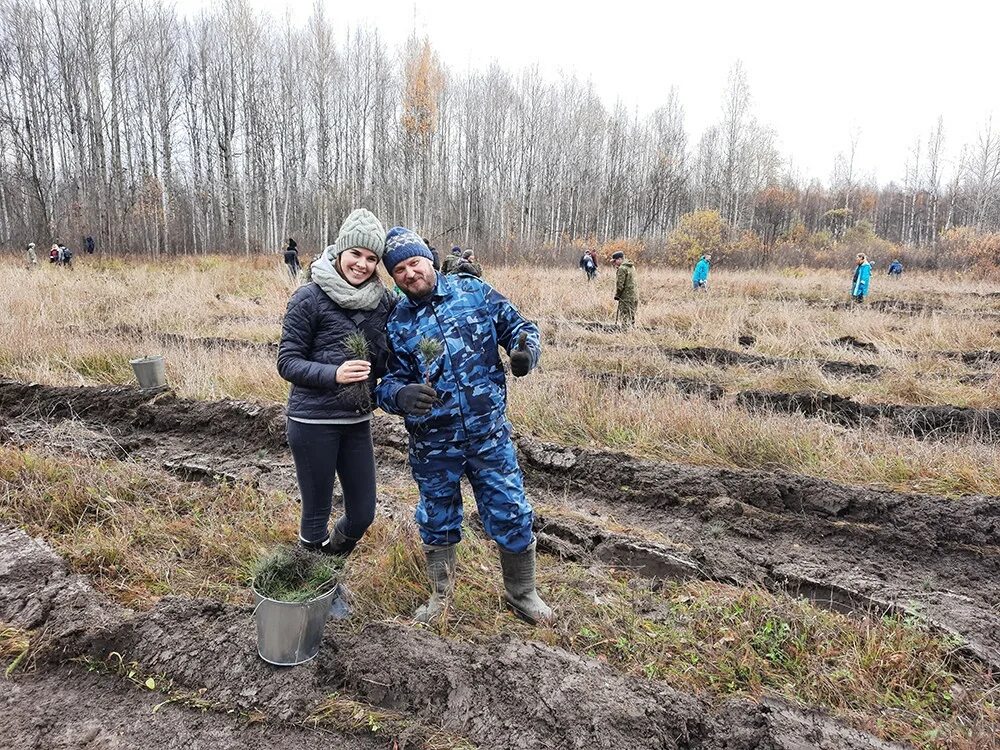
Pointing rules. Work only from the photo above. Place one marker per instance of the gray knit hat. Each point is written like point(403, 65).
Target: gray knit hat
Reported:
point(360, 229)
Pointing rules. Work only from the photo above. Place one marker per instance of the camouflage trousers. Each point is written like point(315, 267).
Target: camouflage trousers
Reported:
point(626, 313)
point(497, 484)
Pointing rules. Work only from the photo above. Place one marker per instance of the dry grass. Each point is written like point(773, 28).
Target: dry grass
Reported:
point(139, 532)
point(83, 327)
point(888, 674)
point(673, 427)
point(14, 646)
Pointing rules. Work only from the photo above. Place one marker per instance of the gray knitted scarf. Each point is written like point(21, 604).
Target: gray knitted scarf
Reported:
point(364, 297)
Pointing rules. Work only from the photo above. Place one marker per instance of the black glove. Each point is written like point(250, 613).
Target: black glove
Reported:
point(416, 399)
point(520, 363)
point(520, 358)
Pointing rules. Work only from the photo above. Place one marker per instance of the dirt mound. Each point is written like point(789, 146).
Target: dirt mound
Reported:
point(69, 708)
point(854, 343)
point(915, 421)
point(203, 342)
point(730, 358)
point(903, 306)
point(689, 386)
point(238, 425)
point(976, 358)
point(502, 694)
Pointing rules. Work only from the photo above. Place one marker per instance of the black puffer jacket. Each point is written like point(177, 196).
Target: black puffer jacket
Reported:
point(313, 346)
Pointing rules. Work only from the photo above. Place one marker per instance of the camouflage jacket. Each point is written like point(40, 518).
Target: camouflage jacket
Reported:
point(472, 320)
point(625, 288)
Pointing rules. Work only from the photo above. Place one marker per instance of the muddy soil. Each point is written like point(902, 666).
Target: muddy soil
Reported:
point(976, 358)
point(689, 386)
point(68, 708)
point(854, 547)
point(921, 422)
point(505, 693)
point(852, 342)
point(232, 440)
point(731, 358)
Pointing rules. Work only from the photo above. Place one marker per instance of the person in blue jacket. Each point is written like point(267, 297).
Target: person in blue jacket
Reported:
point(862, 275)
point(700, 276)
point(895, 269)
point(446, 377)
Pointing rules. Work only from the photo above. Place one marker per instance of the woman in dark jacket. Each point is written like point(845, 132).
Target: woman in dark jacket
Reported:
point(330, 404)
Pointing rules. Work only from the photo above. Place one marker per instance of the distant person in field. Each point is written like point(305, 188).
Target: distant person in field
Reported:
point(626, 290)
point(895, 269)
point(436, 262)
point(589, 264)
point(468, 264)
point(88, 244)
point(54, 253)
point(699, 278)
point(862, 276)
point(32, 255)
point(450, 264)
point(332, 395)
point(292, 259)
point(447, 379)
point(65, 257)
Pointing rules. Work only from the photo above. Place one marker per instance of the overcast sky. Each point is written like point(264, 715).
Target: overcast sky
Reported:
point(817, 71)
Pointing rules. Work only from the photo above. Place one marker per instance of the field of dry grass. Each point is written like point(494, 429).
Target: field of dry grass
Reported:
point(84, 326)
point(141, 533)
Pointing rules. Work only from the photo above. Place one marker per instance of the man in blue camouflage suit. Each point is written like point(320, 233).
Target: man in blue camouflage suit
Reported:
point(454, 402)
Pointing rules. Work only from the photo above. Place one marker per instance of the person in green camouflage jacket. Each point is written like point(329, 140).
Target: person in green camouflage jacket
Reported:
point(626, 291)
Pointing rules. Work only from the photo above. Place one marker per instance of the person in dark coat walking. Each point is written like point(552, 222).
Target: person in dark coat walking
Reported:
point(88, 245)
point(292, 259)
point(589, 265)
point(345, 307)
point(451, 262)
point(469, 265)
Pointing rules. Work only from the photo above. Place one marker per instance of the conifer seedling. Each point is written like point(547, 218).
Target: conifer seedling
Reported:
point(357, 345)
point(429, 349)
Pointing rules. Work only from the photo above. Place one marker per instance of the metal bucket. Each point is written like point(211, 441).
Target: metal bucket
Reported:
point(150, 372)
point(290, 633)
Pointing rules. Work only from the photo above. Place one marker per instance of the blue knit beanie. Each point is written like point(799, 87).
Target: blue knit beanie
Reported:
point(402, 243)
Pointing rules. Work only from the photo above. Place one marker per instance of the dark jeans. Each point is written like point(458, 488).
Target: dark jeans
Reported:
point(322, 451)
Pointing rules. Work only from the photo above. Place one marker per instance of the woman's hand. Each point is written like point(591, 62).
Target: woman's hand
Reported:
point(354, 371)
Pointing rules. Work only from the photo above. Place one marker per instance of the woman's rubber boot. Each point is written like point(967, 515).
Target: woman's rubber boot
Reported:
point(519, 581)
point(335, 544)
point(441, 573)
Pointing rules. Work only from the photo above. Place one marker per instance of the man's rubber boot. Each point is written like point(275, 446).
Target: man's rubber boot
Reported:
point(519, 581)
point(441, 573)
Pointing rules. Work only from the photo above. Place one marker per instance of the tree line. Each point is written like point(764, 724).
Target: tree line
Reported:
point(231, 130)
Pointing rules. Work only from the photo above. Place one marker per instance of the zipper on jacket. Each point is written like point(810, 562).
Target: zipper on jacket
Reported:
point(444, 340)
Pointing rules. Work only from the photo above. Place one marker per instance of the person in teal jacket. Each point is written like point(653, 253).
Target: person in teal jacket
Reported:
point(862, 275)
point(700, 277)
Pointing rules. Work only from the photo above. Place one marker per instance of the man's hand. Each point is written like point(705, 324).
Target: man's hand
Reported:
point(416, 399)
point(520, 358)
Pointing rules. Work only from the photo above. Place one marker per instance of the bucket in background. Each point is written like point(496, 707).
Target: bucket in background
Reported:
point(290, 633)
point(150, 372)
